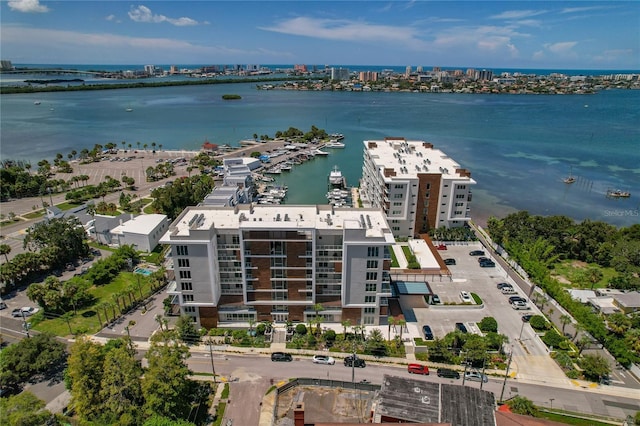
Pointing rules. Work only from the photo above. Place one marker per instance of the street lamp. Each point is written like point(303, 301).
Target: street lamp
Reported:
point(521, 330)
point(213, 368)
point(551, 403)
point(506, 374)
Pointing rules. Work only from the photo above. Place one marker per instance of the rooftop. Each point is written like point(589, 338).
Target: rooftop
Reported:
point(142, 224)
point(410, 158)
point(268, 217)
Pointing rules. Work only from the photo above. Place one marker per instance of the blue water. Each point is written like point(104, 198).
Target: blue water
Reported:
point(142, 271)
point(518, 147)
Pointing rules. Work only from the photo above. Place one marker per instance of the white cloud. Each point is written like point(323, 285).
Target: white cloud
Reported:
point(560, 47)
point(28, 6)
point(615, 55)
point(143, 14)
point(346, 30)
point(59, 46)
point(580, 9)
point(538, 55)
point(517, 14)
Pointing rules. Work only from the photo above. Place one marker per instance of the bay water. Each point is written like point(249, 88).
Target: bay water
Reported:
point(517, 147)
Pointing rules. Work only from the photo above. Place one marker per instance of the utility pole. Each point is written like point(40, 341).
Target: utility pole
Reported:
point(25, 324)
point(506, 374)
point(521, 330)
point(213, 368)
point(482, 376)
point(353, 366)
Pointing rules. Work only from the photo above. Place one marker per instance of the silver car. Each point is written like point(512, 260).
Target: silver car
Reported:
point(323, 359)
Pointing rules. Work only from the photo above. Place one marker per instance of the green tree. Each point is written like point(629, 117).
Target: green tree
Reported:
point(565, 320)
point(375, 344)
point(595, 367)
point(166, 385)
point(21, 361)
point(5, 249)
point(24, 409)
point(619, 323)
point(521, 405)
point(165, 421)
point(440, 351)
point(65, 234)
point(84, 374)
point(186, 329)
point(120, 387)
point(487, 324)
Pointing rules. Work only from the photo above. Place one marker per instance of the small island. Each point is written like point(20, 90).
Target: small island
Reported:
point(231, 97)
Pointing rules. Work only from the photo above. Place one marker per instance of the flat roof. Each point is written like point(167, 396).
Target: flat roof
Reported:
point(405, 287)
point(409, 158)
point(426, 402)
point(142, 224)
point(274, 217)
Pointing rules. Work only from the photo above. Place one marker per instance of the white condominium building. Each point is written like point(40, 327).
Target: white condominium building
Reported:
point(278, 263)
point(418, 187)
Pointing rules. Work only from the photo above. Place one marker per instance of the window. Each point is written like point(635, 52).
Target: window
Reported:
point(235, 239)
point(369, 310)
point(189, 309)
point(186, 286)
point(395, 228)
point(187, 297)
point(396, 196)
point(461, 186)
point(371, 287)
point(460, 196)
point(373, 252)
point(372, 276)
point(397, 203)
point(182, 251)
point(183, 263)
point(367, 299)
point(398, 186)
point(427, 186)
point(185, 274)
point(396, 212)
point(458, 212)
point(368, 320)
point(459, 204)
point(372, 264)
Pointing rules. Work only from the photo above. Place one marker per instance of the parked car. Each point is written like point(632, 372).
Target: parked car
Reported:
point(500, 286)
point(428, 334)
point(460, 326)
point(476, 376)
point(484, 259)
point(517, 299)
point(435, 299)
point(526, 317)
point(520, 305)
point(3, 305)
point(448, 373)
point(418, 369)
point(508, 290)
point(449, 261)
point(487, 264)
point(476, 253)
point(442, 247)
point(324, 359)
point(281, 357)
point(27, 311)
point(466, 297)
point(354, 361)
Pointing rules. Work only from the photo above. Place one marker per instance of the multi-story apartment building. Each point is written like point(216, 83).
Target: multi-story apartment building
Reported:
point(277, 263)
point(418, 187)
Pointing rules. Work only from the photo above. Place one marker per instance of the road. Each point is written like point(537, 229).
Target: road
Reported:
point(553, 311)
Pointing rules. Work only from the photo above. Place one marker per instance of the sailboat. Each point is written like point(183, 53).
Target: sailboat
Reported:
point(129, 109)
point(570, 178)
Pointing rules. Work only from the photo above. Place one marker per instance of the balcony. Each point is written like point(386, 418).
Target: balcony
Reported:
point(172, 288)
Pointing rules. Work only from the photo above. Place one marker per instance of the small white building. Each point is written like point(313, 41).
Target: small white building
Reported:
point(143, 231)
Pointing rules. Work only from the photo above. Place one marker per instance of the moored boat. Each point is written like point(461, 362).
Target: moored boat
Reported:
point(618, 194)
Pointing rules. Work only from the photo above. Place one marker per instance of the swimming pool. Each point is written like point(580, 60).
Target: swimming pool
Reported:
point(142, 271)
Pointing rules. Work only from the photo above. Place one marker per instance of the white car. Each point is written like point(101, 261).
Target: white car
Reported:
point(466, 297)
point(476, 376)
point(520, 305)
point(323, 359)
point(26, 311)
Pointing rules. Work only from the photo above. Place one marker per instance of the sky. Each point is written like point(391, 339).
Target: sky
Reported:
point(499, 34)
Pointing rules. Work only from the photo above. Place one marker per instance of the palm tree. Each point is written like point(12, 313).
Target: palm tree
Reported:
point(565, 319)
point(160, 147)
point(28, 167)
point(593, 276)
point(402, 323)
point(145, 147)
point(392, 323)
point(345, 323)
point(74, 153)
point(153, 145)
point(138, 143)
point(5, 249)
point(123, 144)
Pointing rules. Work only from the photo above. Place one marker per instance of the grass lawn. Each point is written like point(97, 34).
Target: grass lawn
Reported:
point(569, 420)
point(67, 205)
point(571, 270)
point(35, 214)
point(394, 260)
point(9, 222)
point(87, 320)
point(149, 209)
point(407, 251)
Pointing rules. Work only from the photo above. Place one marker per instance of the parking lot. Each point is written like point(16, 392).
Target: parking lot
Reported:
point(467, 275)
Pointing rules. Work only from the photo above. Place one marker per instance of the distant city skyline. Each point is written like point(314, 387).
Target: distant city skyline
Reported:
point(486, 34)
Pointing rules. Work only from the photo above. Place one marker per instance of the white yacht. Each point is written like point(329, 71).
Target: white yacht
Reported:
point(333, 143)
